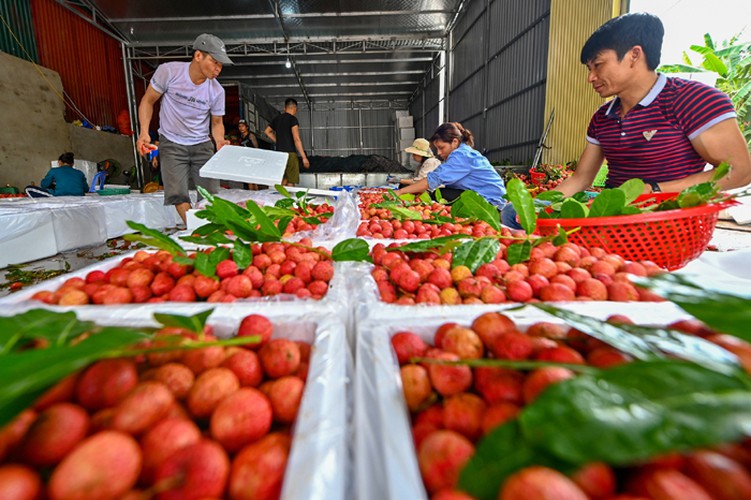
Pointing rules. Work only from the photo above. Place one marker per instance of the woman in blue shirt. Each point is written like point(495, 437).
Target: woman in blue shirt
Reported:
point(464, 168)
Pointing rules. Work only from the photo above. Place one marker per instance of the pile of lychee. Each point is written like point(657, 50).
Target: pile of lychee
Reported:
point(566, 273)
point(453, 406)
point(213, 422)
point(154, 277)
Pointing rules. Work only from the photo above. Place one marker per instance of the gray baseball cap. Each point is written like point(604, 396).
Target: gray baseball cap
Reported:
point(213, 46)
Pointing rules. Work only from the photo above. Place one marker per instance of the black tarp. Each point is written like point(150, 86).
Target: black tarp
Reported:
point(354, 164)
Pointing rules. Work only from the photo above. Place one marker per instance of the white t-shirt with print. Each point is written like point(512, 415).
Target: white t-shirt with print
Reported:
point(186, 108)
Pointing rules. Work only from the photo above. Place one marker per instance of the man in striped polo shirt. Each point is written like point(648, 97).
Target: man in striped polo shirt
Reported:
point(659, 129)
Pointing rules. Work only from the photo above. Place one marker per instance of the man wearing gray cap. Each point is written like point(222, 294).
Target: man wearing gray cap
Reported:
point(193, 103)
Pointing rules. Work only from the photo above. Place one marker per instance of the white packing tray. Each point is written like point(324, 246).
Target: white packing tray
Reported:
point(318, 467)
point(385, 458)
point(241, 164)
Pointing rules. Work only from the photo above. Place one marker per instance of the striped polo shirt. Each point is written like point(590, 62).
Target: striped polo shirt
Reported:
point(653, 140)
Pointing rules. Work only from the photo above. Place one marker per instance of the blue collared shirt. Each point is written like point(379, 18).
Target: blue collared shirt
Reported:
point(467, 169)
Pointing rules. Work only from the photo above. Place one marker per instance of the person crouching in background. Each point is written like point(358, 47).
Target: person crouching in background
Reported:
point(421, 154)
point(61, 181)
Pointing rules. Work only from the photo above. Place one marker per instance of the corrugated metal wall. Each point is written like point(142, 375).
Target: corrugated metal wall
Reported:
point(17, 27)
point(89, 62)
point(498, 76)
point(343, 129)
point(569, 93)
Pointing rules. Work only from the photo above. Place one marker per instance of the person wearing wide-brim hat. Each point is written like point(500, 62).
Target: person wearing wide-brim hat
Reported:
point(421, 154)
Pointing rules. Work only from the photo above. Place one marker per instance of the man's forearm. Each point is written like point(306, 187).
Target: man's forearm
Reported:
point(145, 112)
point(300, 149)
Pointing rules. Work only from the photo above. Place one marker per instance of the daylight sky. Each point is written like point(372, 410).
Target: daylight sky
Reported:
point(686, 21)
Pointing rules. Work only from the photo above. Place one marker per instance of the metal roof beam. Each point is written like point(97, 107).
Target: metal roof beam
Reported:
point(335, 84)
point(344, 94)
point(338, 75)
point(285, 15)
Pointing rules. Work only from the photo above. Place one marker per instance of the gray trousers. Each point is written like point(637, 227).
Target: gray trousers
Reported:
point(180, 165)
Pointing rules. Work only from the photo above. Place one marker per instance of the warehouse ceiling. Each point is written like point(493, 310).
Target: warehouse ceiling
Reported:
point(338, 50)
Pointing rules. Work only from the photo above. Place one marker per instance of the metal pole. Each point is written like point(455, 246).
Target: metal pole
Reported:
point(133, 111)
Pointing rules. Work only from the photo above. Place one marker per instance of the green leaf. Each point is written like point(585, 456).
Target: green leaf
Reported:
point(519, 252)
point(609, 202)
point(723, 312)
point(212, 239)
point(183, 261)
point(647, 343)
point(56, 327)
point(500, 454)
point(632, 188)
point(267, 225)
point(26, 375)
point(561, 237)
point(352, 249)
point(572, 209)
point(195, 323)
point(242, 254)
point(551, 196)
point(283, 223)
point(475, 253)
point(638, 410)
point(207, 229)
point(473, 206)
point(405, 213)
point(219, 254)
point(431, 244)
point(714, 63)
point(285, 203)
point(697, 195)
point(631, 210)
point(425, 198)
point(581, 197)
point(438, 196)
point(204, 266)
point(720, 171)
point(282, 190)
point(523, 204)
point(154, 238)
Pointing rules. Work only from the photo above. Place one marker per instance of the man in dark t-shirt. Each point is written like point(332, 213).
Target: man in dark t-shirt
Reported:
point(284, 130)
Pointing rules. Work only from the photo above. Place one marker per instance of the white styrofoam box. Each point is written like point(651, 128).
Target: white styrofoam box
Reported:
point(406, 134)
point(192, 222)
point(307, 180)
point(252, 165)
point(353, 179)
point(404, 122)
point(400, 113)
point(26, 236)
point(372, 180)
point(318, 465)
point(87, 167)
point(326, 181)
point(385, 458)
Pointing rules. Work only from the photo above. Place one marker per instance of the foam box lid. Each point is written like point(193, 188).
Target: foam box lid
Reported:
point(241, 164)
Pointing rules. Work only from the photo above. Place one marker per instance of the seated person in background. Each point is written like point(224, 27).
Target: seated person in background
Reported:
point(61, 181)
point(421, 154)
point(463, 169)
point(658, 129)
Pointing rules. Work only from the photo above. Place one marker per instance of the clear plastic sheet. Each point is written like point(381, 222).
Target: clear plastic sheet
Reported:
point(721, 271)
point(342, 225)
point(385, 457)
point(319, 466)
point(16, 223)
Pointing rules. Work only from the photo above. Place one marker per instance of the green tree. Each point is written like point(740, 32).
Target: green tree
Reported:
point(732, 64)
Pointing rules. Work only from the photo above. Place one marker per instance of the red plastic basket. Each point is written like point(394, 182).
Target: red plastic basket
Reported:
point(537, 178)
point(671, 239)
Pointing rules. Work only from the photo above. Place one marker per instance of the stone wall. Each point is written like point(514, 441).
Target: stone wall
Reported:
point(34, 131)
